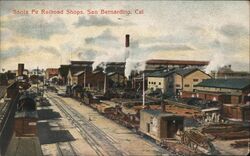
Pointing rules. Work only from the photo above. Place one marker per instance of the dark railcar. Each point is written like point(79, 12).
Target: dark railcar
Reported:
point(26, 117)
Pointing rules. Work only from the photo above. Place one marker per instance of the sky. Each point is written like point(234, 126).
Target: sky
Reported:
point(215, 31)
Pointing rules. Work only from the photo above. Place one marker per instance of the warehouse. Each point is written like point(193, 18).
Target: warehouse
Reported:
point(230, 91)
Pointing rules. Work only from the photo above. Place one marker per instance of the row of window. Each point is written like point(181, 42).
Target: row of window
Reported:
point(186, 85)
point(154, 83)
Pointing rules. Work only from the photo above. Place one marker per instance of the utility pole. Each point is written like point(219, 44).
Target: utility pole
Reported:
point(143, 90)
point(84, 82)
point(105, 83)
point(37, 80)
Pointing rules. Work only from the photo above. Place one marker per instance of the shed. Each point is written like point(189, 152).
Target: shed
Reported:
point(160, 125)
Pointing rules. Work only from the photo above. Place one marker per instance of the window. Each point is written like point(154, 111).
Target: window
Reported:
point(159, 83)
point(154, 82)
point(186, 85)
point(195, 80)
point(148, 82)
point(177, 85)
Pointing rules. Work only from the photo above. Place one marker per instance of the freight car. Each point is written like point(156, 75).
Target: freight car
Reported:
point(26, 117)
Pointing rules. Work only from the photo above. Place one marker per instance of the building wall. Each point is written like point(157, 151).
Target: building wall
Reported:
point(146, 120)
point(192, 79)
point(222, 90)
point(157, 82)
point(69, 77)
point(177, 83)
point(232, 112)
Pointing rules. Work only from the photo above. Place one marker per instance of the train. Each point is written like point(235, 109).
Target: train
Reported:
point(26, 116)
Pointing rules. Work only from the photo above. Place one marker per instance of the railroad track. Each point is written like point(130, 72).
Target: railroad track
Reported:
point(65, 149)
point(99, 141)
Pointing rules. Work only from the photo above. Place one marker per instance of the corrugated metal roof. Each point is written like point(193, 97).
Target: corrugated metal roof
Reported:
point(179, 71)
point(225, 83)
point(185, 72)
point(160, 73)
point(159, 113)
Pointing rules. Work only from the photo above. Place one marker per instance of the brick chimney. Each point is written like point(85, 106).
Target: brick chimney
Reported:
point(20, 69)
point(127, 40)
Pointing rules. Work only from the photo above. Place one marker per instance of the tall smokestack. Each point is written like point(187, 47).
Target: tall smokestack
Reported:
point(20, 69)
point(127, 40)
point(126, 47)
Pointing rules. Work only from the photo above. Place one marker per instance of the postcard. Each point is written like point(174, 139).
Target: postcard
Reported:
point(124, 78)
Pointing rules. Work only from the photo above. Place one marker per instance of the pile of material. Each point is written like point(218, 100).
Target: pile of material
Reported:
point(227, 131)
point(179, 149)
point(195, 139)
point(239, 144)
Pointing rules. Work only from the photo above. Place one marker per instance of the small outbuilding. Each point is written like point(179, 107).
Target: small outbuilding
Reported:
point(160, 125)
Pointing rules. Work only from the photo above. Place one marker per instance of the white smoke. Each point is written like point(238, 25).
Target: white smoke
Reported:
point(135, 61)
point(133, 64)
point(218, 60)
point(110, 55)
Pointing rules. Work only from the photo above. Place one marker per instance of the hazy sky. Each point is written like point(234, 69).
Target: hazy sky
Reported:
point(214, 31)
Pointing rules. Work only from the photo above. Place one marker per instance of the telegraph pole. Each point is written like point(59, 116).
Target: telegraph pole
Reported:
point(37, 80)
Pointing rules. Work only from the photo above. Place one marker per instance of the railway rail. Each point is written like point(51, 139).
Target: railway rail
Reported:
point(65, 149)
point(100, 142)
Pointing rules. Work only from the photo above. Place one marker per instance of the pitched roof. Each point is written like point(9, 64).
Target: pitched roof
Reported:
point(225, 83)
point(179, 71)
point(185, 72)
point(160, 73)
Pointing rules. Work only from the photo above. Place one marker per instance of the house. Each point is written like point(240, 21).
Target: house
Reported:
point(160, 125)
point(51, 72)
point(230, 91)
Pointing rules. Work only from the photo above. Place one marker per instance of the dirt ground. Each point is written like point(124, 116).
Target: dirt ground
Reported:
point(54, 127)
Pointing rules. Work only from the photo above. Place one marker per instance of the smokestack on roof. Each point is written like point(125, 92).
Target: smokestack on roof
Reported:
point(20, 69)
point(127, 40)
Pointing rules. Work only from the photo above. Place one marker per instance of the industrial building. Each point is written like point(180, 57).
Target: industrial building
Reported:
point(156, 64)
point(75, 68)
point(51, 72)
point(175, 81)
point(227, 72)
point(230, 91)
